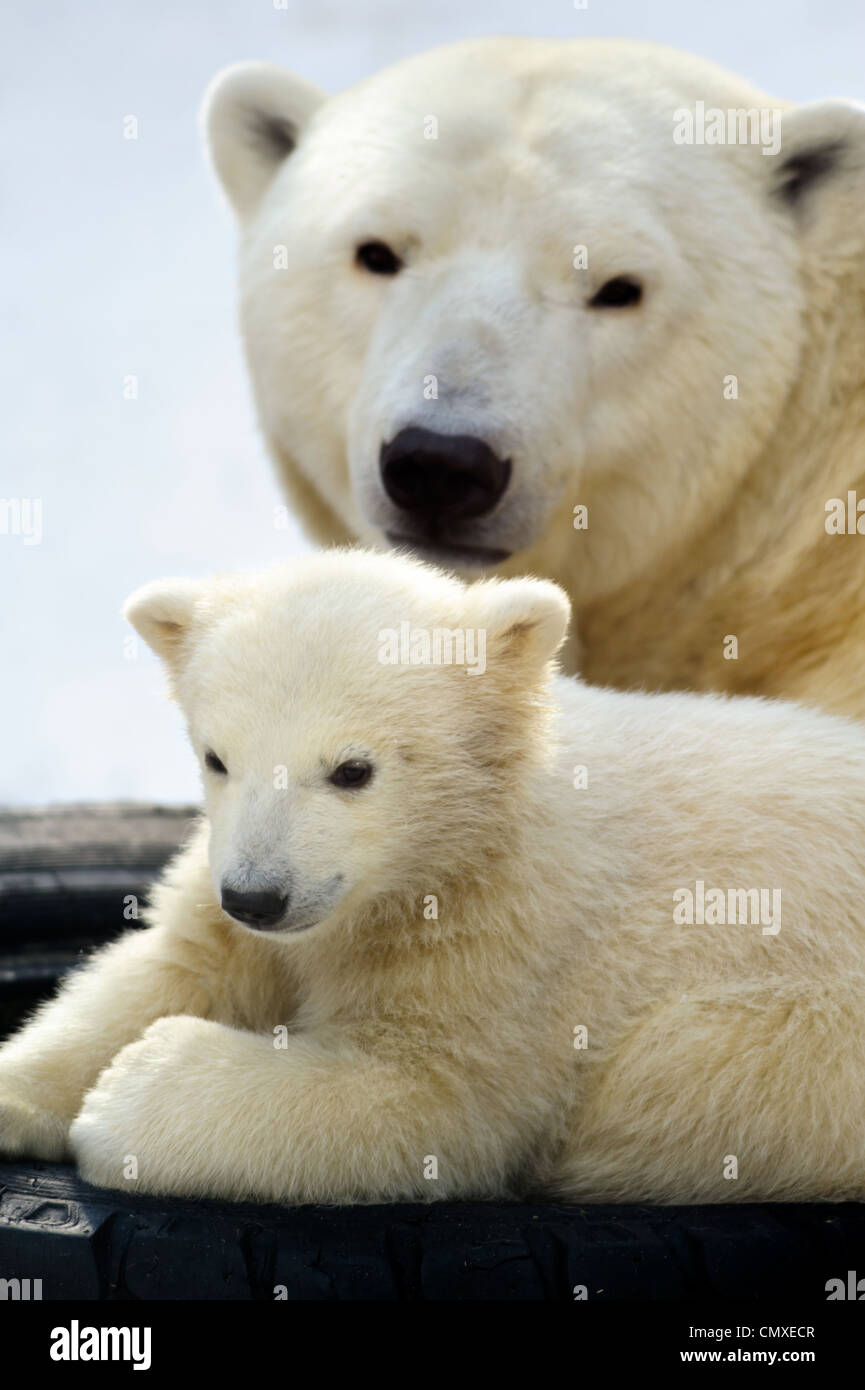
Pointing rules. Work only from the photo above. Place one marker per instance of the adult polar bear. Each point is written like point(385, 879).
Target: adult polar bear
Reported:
point(436, 366)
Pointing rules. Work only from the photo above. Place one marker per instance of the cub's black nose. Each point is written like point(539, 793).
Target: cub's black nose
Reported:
point(442, 477)
point(261, 909)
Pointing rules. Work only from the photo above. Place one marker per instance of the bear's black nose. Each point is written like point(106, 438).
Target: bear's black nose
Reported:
point(442, 477)
point(259, 909)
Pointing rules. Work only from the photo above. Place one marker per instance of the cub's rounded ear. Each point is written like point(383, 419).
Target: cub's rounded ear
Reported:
point(819, 172)
point(525, 620)
point(252, 116)
point(163, 613)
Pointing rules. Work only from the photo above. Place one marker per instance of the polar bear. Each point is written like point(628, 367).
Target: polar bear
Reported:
point(455, 925)
point(591, 310)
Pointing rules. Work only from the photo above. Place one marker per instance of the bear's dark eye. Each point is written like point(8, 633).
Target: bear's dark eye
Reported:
point(352, 775)
point(215, 764)
point(378, 258)
point(619, 293)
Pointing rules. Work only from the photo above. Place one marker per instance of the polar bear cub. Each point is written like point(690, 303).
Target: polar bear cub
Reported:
point(456, 926)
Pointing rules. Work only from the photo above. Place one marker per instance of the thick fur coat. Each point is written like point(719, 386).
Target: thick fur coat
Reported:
point(563, 940)
point(696, 436)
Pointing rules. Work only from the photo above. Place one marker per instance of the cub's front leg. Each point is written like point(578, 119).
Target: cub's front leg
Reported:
point(195, 1108)
point(47, 1067)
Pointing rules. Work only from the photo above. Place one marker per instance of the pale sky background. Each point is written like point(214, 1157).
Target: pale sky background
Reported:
point(118, 259)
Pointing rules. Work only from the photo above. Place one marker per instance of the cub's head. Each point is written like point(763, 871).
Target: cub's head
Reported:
point(360, 721)
point(510, 277)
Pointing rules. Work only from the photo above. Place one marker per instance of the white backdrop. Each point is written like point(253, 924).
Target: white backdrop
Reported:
point(118, 261)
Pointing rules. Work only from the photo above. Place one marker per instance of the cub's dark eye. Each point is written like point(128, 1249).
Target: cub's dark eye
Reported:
point(620, 293)
point(352, 775)
point(378, 258)
point(215, 764)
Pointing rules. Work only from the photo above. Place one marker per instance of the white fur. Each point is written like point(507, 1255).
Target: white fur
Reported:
point(411, 1036)
point(700, 508)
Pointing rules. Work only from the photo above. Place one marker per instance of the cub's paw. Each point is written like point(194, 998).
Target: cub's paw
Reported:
point(27, 1130)
point(132, 1124)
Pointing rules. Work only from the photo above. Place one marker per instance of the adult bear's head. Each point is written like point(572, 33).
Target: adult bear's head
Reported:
point(512, 278)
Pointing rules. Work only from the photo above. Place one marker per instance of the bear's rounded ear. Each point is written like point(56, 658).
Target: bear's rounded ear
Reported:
point(525, 621)
point(252, 116)
point(163, 613)
point(819, 172)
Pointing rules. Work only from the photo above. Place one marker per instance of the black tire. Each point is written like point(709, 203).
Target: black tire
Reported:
point(67, 874)
point(86, 1243)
